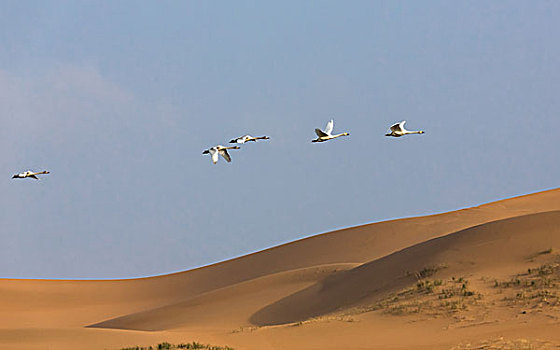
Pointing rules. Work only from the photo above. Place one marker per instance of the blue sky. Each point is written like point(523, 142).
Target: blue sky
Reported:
point(119, 99)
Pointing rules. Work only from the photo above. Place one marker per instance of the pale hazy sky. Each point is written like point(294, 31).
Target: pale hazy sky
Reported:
point(118, 99)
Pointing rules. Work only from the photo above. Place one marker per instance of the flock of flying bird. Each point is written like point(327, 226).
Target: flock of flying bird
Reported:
point(396, 130)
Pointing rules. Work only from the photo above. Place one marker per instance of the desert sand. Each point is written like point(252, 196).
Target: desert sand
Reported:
point(478, 278)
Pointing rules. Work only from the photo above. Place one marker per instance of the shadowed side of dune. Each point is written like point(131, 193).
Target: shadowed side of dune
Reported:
point(229, 306)
point(481, 247)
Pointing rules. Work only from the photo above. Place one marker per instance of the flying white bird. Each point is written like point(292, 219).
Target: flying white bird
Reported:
point(247, 138)
point(327, 134)
point(398, 130)
point(218, 150)
point(30, 174)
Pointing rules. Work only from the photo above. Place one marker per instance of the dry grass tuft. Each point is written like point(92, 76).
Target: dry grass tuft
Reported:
point(429, 271)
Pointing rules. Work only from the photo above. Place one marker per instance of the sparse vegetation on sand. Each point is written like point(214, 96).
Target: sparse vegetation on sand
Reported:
point(539, 286)
point(169, 346)
point(245, 329)
point(328, 318)
point(505, 344)
point(433, 297)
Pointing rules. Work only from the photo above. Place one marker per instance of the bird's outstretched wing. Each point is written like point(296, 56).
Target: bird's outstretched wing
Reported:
point(398, 126)
point(215, 155)
point(225, 154)
point(320, 133)
point(240, 139)
point(329, 128)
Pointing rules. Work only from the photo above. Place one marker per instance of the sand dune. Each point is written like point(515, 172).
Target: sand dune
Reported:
point(300, 294)
point(486, 247)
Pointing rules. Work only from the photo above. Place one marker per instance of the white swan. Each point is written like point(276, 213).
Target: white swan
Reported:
point(326, 135)
point(247, 138)
point(218, 150)
point(398, 130)
point(30, 174)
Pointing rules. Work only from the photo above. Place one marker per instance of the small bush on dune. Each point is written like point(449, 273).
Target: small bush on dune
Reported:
point(429, 271)
point(548, 251)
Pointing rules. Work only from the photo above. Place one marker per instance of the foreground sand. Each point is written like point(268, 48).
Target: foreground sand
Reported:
point(483, 277)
